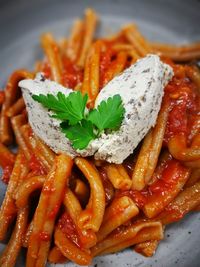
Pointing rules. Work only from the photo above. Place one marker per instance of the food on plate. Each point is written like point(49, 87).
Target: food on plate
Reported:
point(108, 146)
point(141, 88)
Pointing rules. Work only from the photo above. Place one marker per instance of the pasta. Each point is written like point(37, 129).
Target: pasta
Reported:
point(44, 218)
point(92, 216)
point(148, 157)
point(118, 176)
point(53, 56)
point(133, 234)
point(91, 73)
point(67, 209)
point(8, 209)
point(181, 53)
point(8, 258)
point(11, 93)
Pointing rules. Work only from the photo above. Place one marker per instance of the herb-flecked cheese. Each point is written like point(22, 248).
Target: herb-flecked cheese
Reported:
point(141, 88)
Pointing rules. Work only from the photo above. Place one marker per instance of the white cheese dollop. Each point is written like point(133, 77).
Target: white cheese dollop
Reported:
point(44, 126)
point(141, 88)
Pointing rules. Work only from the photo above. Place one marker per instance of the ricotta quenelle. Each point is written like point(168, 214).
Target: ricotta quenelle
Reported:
point(44, 126)
point(141, 88)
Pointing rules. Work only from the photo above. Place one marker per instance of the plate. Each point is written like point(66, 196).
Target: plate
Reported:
point(169, 21)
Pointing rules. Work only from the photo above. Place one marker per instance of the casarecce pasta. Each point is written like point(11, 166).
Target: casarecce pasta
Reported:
point(66, 209)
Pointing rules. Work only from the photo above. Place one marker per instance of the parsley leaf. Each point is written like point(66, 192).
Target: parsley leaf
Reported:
point(80, 134)
point(109, 114)
point(78, 127)
point(65, 107)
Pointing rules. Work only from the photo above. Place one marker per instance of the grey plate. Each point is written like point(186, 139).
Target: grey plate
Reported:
point(21, 23)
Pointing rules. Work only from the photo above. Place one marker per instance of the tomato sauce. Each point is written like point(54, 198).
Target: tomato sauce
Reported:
point(52, 214)
point(7, 173)
point(44, 236)
point(176, 214)
point(2, 97)
point(109, 191)
point(169, 177)
point(46, 69)
point(166, 180)
point(72, 74)
point(68, 227)
point(184, 103)
point(107, 58)
point(105, 62)
point(48, 187)
point(36, 166)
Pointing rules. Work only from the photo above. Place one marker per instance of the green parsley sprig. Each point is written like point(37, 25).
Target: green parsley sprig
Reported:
point(79, 125)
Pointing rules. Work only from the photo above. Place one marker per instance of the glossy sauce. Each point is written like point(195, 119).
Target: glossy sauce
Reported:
point(2, 97)
point(107, 59)
point(108, 187)
point(6, 173)
point(48, 188)
point(44, 236)
point(68, 227)
point(168, 179)
point(46, 69)
point(72, 75)
point(165, 182)
point(105, 62)
point(175, 213)
point(185, 104)
point(36, 166)
point(52, 214)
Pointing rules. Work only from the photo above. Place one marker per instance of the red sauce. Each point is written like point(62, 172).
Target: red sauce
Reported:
point(68, 227)
point(6, 173)
point(52, 214)
point(105, 61)
point(108, 57)
point(44, 236)
point(165, 181)
point(109, 192)
point(168, 178)
point(7, 159)
point(185, 104)
point(175, 212)
point(36, 166)
point(122, 228)
point(2, 97)
point(46, 69)
point(49, 187)
point(30, 132)
point(72, 75)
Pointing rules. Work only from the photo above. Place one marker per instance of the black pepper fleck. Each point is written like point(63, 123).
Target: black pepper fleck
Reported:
point(146, 71)
point(42, 79)
point(131, 101)
point(143, 98)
